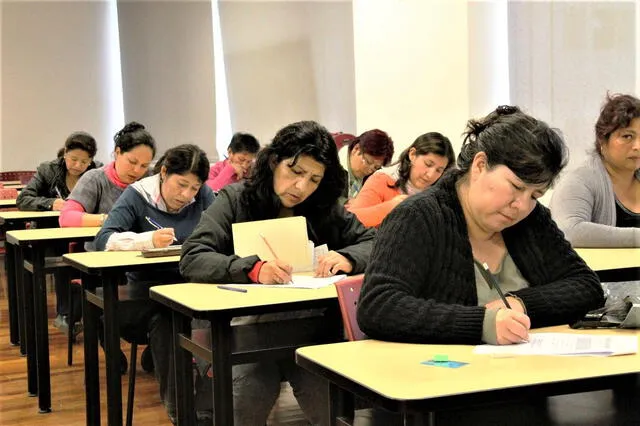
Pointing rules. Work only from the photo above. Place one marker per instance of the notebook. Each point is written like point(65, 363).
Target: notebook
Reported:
point(163, 251)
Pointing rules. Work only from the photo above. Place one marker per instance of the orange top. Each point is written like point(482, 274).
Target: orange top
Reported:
point(373, 202)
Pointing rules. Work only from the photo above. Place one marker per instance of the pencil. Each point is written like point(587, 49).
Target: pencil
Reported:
point(494, 283)
point(273, 253)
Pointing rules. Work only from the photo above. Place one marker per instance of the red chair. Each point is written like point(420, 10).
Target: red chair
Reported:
point(8, 193)
point(24, 176)
point(342, 139)
point(348, 292)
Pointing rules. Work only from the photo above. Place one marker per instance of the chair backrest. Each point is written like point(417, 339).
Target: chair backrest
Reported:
point(348, 292)
point(8, 193)
point(24, 176)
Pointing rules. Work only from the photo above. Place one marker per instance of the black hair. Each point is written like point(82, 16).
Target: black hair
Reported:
point(81, 140)
point(244, 142)
point(132, 135)
point(184, 159)
point(295, 140)
point(431, 142)
point(535, 152)
point(60, 153)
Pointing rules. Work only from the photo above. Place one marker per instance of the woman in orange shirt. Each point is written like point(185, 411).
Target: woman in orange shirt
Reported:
point(419, 167)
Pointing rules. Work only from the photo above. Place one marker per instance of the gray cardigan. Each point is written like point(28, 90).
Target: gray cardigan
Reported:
point(584, 207)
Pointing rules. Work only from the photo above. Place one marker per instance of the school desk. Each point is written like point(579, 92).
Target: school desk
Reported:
point(391, 375)
point(33, 298)
point(17, 220)
point(613, 264)
point(224, 345)
point(105, 269)
point(8, 203)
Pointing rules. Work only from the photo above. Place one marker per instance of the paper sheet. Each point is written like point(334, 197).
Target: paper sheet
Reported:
point(307, 281)
point(566, 344)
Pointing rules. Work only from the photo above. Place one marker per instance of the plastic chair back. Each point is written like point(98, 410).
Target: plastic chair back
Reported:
point(348, 292)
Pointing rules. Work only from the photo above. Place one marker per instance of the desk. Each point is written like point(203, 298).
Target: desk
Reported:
point(207, 301)
point(11, 182)
point(107, 268)
point(34, 302)
point(613, 264)
point(391, 375)
point(10, 221)
point(8, 203)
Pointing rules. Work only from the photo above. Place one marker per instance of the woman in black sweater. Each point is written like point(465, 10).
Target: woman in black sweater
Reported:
point(425, 280)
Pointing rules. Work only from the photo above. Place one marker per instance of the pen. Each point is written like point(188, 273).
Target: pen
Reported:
point(238, 289)
point(58, 192)
point(494, 284)
point(156, 225)
point(273, 253)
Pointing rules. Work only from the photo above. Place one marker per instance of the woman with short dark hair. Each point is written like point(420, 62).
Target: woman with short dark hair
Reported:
point(598, 204)
point(298, 174)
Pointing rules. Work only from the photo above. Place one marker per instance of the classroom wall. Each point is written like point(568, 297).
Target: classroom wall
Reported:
point(54, 70)
point(288, 61)
point(167, 70)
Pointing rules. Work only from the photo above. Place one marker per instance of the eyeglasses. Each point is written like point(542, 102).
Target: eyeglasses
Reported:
point(77, 160)
point(370, 163)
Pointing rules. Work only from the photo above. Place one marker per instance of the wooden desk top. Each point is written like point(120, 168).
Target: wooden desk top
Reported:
point(28, 215)
point(601, 259)
point(8, 203)
point(10, 182)
point(17, 186)
point(208, 297)
point(99, 260)
point(394, 370)
point(47, 234)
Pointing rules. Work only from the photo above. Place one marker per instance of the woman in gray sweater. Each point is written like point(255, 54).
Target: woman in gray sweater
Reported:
point(598, 204)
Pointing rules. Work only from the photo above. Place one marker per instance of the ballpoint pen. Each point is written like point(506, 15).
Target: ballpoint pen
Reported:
point(58, 192)
point(156, 225)
point(494, 283)
point(273, 253)
point(238, 289)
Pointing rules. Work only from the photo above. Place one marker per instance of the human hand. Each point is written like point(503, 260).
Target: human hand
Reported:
point(239, 168)
point(57, 204)
point(515, 304)
point(163, 237)
point(331, 263)
point(275, 272)
point(398, 199)
point(512, 327)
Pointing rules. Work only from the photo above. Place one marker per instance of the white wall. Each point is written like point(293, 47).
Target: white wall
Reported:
point(167, 70)
point(565, 56)
point(411, 67)
point(53, 79)
point(288, 61)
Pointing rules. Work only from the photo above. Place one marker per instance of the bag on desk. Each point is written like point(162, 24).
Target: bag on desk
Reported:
point(622, 314)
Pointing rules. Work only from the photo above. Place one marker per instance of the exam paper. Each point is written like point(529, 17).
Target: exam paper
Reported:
point(566, 344)
point(308, 281)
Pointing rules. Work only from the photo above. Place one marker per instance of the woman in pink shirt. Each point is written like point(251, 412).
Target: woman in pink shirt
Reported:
point(240, 156)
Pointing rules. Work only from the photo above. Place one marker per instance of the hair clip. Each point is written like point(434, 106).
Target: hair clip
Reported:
point(507, 109)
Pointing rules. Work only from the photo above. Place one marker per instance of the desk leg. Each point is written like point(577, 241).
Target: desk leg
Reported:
point(340, 406)
point(90, 315)
point(18, 267)
point(112, 350)
point(26, 282)
point(10, 268)
point(222, 376)
point(183, 371)
point(42, 332)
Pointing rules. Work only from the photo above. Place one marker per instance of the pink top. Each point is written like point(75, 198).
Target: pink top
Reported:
point(221, 174)
point(72, 211)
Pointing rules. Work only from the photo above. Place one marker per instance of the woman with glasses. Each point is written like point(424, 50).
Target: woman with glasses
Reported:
point(55, 179)
point(419, 167)
point(367, 153)
point(241, 154)
point(598, 204)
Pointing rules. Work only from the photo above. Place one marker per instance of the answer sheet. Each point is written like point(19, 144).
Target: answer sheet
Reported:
point(566, 344)
point(308, 281)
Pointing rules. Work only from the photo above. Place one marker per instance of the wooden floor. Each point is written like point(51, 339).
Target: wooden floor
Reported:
point(67, 384)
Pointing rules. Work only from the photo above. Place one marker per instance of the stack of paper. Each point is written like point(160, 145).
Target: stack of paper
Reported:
point(566, 344)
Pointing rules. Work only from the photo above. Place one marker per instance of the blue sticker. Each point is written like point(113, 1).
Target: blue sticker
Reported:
point(447, 364)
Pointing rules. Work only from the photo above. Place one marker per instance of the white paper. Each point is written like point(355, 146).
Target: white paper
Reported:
point(307, 281)
point(318, 252)
point(566, 344)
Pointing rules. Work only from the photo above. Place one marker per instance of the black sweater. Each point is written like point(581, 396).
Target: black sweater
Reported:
point(208, 254)
point(420, 284)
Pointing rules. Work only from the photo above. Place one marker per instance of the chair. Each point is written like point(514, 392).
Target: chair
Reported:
point(342, 139)
point(348, 292)
point(24, 176)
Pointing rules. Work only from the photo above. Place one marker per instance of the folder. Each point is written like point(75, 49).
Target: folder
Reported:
point(287, 236)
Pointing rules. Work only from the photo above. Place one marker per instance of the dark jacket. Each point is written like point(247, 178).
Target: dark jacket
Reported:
point(420, 283)
point(48, 184)
point(207, 255)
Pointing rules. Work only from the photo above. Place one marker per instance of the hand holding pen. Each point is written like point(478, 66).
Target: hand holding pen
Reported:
point(163, 237)
point(275, 271)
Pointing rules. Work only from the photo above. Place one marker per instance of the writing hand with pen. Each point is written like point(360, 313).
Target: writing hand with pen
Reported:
point(163, 237)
